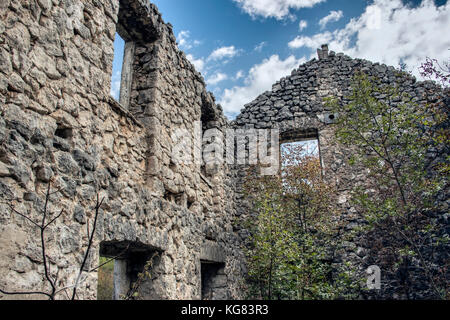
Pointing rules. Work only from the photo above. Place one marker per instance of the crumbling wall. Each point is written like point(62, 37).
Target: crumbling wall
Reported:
point(59, 123)
point(296, 107)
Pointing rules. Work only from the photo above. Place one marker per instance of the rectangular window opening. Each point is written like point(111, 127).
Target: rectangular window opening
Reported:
point(300, 160)
point(299, 145)
point(124, 54)
point(293, 153)
point(119, 48)
point(125, 269)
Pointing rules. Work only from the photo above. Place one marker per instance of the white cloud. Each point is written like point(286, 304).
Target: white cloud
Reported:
point(240, 74)
point(224, 52)
point(199, 64)
point(185, 42)
point(332, 17)
point(260, 46)
point(311, 42)
point(115, 85)
point(303, 25)
point(215, 79)
point(182, 38)
point(390, 32)
point(260, 78)
point(279, 9)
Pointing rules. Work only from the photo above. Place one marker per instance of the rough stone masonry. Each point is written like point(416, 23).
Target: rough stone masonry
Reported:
point(59, 125)
point(296, 107)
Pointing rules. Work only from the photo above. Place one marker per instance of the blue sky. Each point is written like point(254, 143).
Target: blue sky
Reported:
point(242, 47)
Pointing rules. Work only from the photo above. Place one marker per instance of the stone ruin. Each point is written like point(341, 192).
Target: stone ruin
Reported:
point(59, 123)
point(295, 106)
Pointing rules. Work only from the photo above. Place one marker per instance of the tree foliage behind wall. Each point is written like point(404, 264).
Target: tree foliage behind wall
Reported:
point(396, 139)
point(402, 144)
point(294, 233)
point(105, 287)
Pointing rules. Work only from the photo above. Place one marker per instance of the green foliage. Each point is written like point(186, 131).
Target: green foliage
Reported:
point(391, 134)
point(105, 279)
point(293, 232)
point(143, 276)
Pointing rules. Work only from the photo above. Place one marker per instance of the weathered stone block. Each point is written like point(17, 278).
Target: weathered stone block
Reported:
point(84, 160)
point(79, 214)
point(69, 240)
point(212, 252)
point(4, 170)
point(44, 173)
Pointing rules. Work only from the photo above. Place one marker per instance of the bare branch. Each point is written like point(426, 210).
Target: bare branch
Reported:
point(23, 216)
point(26, 293)
point(91, 238)
point(43, 227)
point(54, 219)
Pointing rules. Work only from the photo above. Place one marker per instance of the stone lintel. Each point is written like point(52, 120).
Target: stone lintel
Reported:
point(212, 252)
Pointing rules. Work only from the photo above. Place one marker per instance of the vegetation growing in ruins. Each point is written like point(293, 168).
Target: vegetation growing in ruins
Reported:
point(403, 146)
point(440, 111)
point(392, 136)
point(294, 233)
point(434, 70)
point(145, 275)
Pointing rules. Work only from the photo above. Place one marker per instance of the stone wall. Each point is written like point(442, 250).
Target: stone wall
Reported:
point(296, 107)
point(58, 123)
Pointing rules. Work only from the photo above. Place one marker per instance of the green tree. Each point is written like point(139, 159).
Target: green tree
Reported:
point(391, 135)
point(294, 232)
